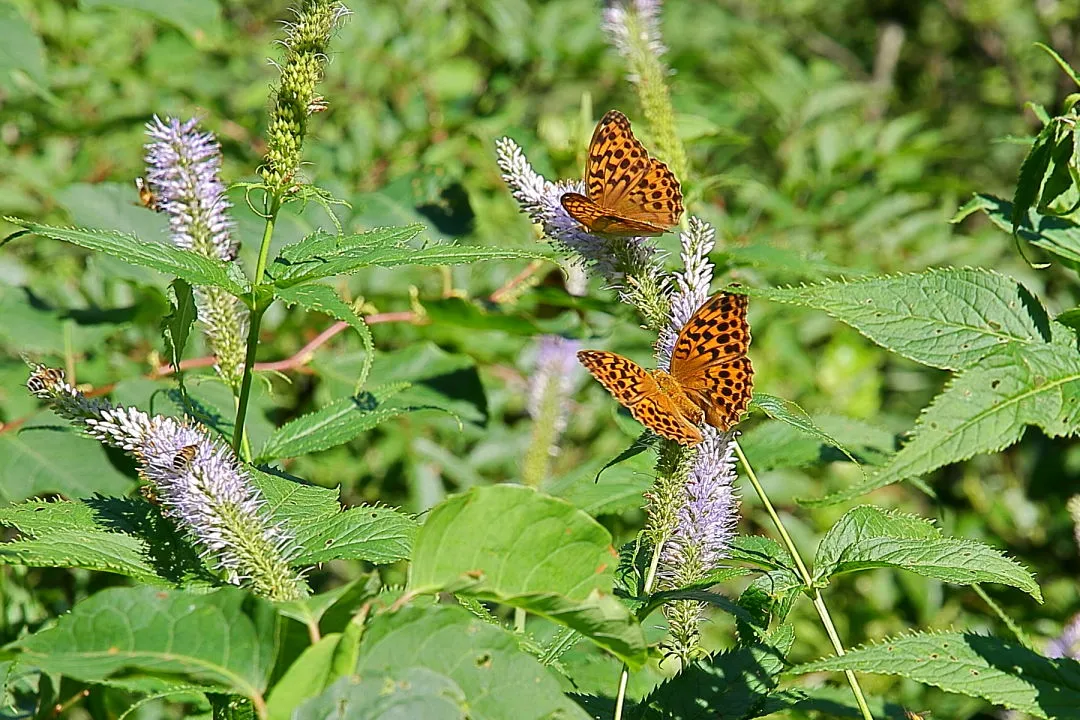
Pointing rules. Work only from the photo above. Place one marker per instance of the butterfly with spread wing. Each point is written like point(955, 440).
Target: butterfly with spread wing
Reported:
point(710, 376)
point(628, 193)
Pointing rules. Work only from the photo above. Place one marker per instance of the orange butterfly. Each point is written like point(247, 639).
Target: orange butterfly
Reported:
point(629, 193)
point(710, 375)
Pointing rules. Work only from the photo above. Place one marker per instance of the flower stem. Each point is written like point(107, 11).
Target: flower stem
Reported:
point(238, 442)
point(808, 580)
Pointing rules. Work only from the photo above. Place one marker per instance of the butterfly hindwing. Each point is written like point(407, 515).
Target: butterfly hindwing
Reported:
point(639, 392)
point(722, 391)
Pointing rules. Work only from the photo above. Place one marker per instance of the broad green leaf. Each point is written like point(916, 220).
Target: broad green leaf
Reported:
point(868, 537)
point(146, 638)
point(997, 671)
point(21, 50)
point(164, 258)
point(44, 456)
point(603, 492)
point(790, 413)
point(462, 313)
point(198, 19)
point(178, 323)
point(323, 299)
point(947, 318)
point(410, 692)
point(325, 532)
point(986, 409)
point(337, 423)
point(341, 599)
point(472, 544)
point(497, 678)
point(1052, 233)
point(731, 685)
point(305, 678)
point(1032, 171)
point(117, 535)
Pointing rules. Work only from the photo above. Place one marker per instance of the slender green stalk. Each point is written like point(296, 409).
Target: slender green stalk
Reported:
point(239, 444)
point(808, 580)
point(624, 676)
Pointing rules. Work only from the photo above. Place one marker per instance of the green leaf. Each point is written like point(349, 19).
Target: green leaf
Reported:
point(471, 544)
point(731, 685)
point(178, 323)
point(164, 258)
point(948, 318)
point(790, 413)
point(1061, 62)
point(868, 537)
point(410, 692)
point(1052, 233)
point(43, 456)
point(305, 678)
point(617, 490)
point(195, 18)
point(21, 50)
point(146, 639)
point(117, 535)
point(323, 299)
point(351, 259)
point(997, 671)
point(335, 424)
point(497, 679)
point(462, 313)
point(320, 255)
point(1060, 180)
point(325, 532)
point(1032, 171)
point(986, 409)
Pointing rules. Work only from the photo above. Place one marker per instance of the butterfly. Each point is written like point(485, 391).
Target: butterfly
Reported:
point(147, 198)
point(710, 376)
point(629, 193)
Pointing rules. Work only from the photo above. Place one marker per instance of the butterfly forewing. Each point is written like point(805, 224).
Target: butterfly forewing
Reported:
point(628, 193)
point(709, 360)
point(638, 391)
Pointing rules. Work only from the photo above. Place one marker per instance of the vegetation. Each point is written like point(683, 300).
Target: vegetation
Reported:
point(296, 429)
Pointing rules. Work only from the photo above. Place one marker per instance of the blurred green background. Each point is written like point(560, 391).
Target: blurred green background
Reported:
point(826, 139)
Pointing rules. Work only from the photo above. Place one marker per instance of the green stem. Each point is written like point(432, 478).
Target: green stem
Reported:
point(624, 676)
point(239, 436)
point(808, 580)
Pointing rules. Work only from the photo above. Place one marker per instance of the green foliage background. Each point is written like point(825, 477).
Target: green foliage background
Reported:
point(815, 151)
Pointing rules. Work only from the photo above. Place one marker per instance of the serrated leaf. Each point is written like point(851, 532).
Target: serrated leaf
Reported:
point(997, 671)
point(319, 254)
point(948, 319)
point(352, 259)
point(146, 638)
point(411, 692)
point(471, 543)
point(497, 678)
point(44, 456)
point(337, 423)
point(323, 299)
point(1052, 233)
point(177, 325)
point(1032, 171)
point(164, 258)
point(790, 413)
point(731, 685)
point(986, 409)
point(868, 537)
point(1059, 180)
point(325, 532)
point(117, 535)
